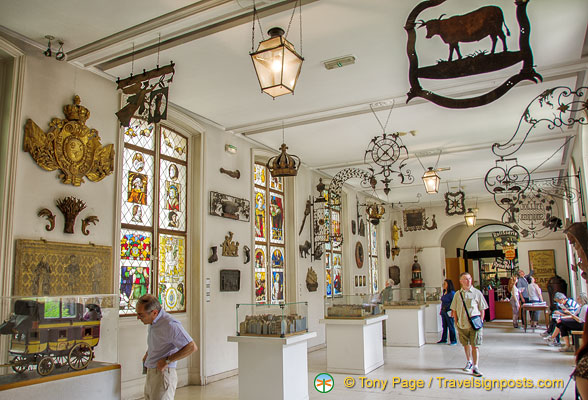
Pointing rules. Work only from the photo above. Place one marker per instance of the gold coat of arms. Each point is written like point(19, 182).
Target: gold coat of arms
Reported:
point(70, 146)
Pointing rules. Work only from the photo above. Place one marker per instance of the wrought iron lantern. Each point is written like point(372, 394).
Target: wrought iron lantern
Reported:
point(431, 181)
point(277, 64)
point(470, 217)
point(283, 164)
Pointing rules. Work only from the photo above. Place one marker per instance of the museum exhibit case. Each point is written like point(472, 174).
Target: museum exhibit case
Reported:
point(57, 337)
point(432, 317)
point(407, 305)
point(278, 320)
point(356, 306)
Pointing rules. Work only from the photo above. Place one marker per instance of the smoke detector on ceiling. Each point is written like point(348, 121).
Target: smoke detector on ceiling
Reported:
point(339, 62)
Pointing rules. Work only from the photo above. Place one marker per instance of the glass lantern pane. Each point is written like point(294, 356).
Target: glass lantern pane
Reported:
point(171, 275)
point(260, 214)
point(259, 175)
point(172, 195)
point(260, 287)
point(137, 188)
point(277, 286)
point(268, 67)
point(140, 133)
point(135, 245)
point(277, 218)
point(292, 66)
point(134, 283)
point(173, 144)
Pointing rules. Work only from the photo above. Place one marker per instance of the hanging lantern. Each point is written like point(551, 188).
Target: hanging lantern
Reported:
point(470, 218)
point(431, 181)
point(283, 164)
point(277, 64)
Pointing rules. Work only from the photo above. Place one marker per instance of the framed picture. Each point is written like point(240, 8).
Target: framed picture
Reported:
point(226, 206)
point(414, 220)
point(543, 263)
point(230, 280)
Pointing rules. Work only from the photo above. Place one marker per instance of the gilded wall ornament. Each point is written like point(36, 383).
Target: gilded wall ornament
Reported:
point(70, 146)
point(230, 248)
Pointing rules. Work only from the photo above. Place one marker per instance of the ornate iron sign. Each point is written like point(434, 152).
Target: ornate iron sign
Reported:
point(474, 26)
point(146, 95)
point(455, 203)
point(70, 146)
point(385, 151)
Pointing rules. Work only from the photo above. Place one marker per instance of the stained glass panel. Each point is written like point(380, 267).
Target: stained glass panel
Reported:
point(277, 257)
point(328, 281)
point(260, 287)
point(173, 144)
point(336, 217)
point(259, 175)
point(171, 287)
point(277, 218)
point(140, 133)
point(337, 284)
point(276, 183)
point(374, 240)
point(260, 258)
point(260, 214)
point(135, 245)
point(134, 283)
point(137, 188)
point(374, 275)
point(277, 286)
point(172, 195)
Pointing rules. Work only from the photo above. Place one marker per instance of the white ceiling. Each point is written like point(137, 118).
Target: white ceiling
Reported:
point(328, 122)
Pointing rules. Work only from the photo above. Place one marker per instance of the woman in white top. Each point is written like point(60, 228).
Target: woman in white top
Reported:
point(514, 300)
point(573, 322)
point(535, 296)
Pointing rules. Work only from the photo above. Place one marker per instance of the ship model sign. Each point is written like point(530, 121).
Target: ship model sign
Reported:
point(474, 26)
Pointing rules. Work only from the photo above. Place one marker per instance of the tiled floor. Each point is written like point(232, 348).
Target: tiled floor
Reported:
point(507, 353)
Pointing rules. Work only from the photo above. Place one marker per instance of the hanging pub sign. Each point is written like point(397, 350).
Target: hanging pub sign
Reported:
point(473, 26)
point(146, 95)
point(510, 252)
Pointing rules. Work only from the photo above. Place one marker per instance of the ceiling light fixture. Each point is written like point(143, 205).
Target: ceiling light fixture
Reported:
point(375, 212)
point(431, 181)
point(276, 62)
point(470, 217)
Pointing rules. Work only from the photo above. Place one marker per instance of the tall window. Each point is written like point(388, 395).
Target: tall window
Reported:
point(270, 253)
point(333, 257)
point(153, 216)
point(373, 257)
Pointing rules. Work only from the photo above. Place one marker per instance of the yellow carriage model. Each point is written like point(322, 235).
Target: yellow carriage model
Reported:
point(52, 333)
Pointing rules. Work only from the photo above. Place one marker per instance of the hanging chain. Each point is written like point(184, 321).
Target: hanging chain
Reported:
point(378, 119)
point(253, 28)
point(291, 18)
point(438, 157)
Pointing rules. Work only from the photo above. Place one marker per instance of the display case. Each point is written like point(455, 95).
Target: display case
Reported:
point(278, 320)
point(355, 306)
point(404, 296)
point(433, 294)
point(58, 334)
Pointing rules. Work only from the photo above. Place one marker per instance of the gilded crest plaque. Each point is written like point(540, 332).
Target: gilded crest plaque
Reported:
point(70, 146)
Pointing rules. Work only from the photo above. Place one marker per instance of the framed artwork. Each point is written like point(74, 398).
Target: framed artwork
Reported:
point(57, 269)
point(359, 254)
point(230, 280)
point(543, 263)
point(414, 220)
point(455, 203)
point(226, 206)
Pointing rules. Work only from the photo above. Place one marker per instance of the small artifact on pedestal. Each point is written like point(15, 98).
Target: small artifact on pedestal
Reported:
point(311, 280)
point(417, 279)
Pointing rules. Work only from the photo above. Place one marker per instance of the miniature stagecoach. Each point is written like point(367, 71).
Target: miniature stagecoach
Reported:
point(52, 333)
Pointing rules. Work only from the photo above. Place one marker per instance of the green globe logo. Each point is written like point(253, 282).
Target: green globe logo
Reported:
point(324, 383)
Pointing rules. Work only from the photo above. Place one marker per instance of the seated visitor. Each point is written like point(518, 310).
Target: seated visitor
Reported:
point(567, 316)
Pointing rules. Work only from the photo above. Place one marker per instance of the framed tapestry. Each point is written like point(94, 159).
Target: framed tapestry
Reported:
point(414, 220)
point(44, 268)
point(543, 263)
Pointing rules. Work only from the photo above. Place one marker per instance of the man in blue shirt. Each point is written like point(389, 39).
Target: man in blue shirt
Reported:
point(167, 342)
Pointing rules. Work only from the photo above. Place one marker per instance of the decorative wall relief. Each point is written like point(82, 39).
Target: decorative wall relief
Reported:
point(233, 174)
point(44, 268)
point(230, 280)
point(247, 254)
point(433, 223)
point(92, 219)
point(46, 213)
point(224, 205)
point(473, 26)
point(214, 256)
point(70, 207)
point(394, 274)
point(307, 210)
point(304, 249)
point(230, 248)
point(455, 203)
point(311, 280)
point(146, 95)
point(70, 146)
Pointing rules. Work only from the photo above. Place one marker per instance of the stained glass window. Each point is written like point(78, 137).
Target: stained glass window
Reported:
point(333, 255)
point(154, 200)
point(269, 259)
point(373, 257)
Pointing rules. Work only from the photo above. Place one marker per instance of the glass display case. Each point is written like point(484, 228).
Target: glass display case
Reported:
point(405, 296)
point(352, 306)
point(278, 320)
point(433, 294)
point(62, 332)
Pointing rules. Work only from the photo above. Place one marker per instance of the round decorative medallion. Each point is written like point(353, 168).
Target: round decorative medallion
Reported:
point(171, 297)
point(359, 254)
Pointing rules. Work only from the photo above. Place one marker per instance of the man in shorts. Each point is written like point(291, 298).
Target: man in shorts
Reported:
point(468, 337)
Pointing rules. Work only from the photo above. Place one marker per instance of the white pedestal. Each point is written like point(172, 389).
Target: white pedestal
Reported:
point(433, 318)
point(273, 367)
point(406, 326)
point(354, 346)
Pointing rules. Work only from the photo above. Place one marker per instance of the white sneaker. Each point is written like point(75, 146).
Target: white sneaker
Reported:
point(476, 372)
point(468, 367)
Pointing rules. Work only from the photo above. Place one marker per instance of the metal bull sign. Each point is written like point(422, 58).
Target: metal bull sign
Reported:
point(472, 27)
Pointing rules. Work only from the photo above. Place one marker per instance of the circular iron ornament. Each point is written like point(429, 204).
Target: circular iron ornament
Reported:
point(359, 254)
point(506, 181)
point(451, 30)
point(385, 151)
point(536, 214)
